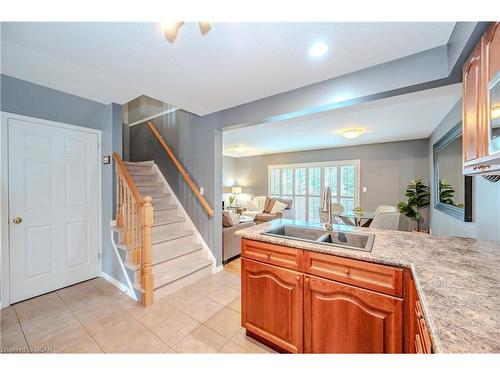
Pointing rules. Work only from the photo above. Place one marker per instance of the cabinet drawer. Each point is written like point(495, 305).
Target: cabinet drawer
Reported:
point(384, 279)
point(273, 254)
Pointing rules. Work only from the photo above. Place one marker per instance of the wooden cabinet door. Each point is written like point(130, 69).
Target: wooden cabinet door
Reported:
point(491, 51)
point(491, 68)
point(473, 122)
point(272, 304)
point(340, 318)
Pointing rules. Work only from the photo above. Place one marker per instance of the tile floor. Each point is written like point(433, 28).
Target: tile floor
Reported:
point(94, 317)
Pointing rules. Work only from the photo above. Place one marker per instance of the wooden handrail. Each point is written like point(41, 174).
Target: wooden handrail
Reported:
point(134, 217)
point(128, 179)
point(194, 188)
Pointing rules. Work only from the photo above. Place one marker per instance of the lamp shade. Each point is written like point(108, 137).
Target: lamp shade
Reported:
point(236, 189)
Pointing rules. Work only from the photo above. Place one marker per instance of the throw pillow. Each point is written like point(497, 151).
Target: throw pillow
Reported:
point(269, 205)
point(229, 219)
point(278, 206)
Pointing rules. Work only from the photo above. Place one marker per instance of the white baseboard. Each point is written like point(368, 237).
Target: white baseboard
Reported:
point(118, 284)
point(129, 289)
point(218, 268)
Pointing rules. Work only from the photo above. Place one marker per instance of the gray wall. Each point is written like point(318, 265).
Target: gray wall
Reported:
point(386, 168)
point(229, 171)
point(485, 198)
point(28, 99)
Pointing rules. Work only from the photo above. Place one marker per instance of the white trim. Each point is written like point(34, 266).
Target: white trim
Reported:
point(130, 289)
point(4, 193)
point(218, 268)
point(314, 164)
point(153, 117)
point(206, 250)
point(118, 284)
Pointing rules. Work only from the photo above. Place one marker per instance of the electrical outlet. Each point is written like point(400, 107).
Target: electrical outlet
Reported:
point(364, 189)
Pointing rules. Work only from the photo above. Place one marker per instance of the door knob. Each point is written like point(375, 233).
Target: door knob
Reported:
point(18, 220)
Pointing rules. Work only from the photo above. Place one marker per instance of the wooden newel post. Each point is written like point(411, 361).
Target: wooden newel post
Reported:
point(147, 274)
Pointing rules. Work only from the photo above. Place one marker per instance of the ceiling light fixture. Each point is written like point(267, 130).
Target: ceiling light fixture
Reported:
point(318, 49)
point(352, 133)
point(171, 29)
point(239, 148)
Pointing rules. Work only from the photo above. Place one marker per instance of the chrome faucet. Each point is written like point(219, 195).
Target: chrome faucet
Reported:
point(326, 208)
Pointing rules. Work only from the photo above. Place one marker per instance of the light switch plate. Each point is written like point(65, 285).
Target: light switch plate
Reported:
point(202, 190)
point(364, 189)
point(106, 159)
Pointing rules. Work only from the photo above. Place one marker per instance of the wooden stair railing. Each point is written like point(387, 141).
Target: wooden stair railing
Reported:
point(194, 188)
point(134, 216)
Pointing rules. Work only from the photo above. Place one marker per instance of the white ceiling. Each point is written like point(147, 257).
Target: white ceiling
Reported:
point(410, 116)
point(235, 63)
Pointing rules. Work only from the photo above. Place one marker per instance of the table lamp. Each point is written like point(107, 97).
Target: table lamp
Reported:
point(236, 190)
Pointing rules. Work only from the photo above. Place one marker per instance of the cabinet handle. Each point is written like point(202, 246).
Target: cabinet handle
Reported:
point(268, 255)
point(298, 278)
point(346, 271)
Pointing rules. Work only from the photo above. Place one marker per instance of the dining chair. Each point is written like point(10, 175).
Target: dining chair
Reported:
point(382, 209)
point(337, 208)
point(390, 221)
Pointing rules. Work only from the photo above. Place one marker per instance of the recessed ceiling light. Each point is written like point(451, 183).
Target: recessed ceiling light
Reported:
point(352, 133)
point(318, 49)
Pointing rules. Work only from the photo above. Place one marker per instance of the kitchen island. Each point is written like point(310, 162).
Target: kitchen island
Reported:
point(456, 282)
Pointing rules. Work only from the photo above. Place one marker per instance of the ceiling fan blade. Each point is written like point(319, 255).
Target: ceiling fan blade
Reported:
point(204, 27)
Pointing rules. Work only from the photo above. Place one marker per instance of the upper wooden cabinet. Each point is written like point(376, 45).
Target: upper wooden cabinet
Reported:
point(474, 97)
point(481, 138)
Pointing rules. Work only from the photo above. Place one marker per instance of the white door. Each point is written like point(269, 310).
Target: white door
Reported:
point(53, 207)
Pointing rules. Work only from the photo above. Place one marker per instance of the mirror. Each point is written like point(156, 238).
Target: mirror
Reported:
point(494, 130)
point(452, 190)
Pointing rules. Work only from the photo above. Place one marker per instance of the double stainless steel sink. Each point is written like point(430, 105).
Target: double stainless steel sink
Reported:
point(345, 239)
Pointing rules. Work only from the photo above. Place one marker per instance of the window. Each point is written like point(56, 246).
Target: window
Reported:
point(304, 183)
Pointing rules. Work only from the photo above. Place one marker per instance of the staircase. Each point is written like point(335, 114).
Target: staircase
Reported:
point(178, 255)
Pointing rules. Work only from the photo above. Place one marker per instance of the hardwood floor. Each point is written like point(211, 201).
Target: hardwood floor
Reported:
point(234, 266)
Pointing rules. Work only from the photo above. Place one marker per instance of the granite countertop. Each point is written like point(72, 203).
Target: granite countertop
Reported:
point(457, 279)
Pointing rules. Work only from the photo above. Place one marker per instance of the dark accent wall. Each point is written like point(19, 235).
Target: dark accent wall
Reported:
point(29, 99)
point(195, 152)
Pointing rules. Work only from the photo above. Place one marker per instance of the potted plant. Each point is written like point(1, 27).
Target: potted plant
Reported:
point(418, 197)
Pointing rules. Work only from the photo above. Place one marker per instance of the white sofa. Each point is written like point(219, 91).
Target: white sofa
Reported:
point(263, 209)
point(255, 206)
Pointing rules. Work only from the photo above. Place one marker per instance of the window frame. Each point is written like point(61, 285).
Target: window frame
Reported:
point(322, 165)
